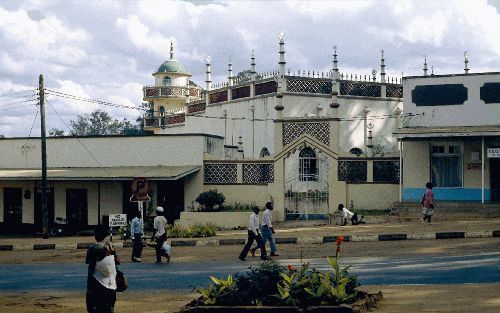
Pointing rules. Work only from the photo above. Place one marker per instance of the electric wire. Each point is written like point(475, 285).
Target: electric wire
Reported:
point(16, 93)
point(31, 129)
point(82, 144)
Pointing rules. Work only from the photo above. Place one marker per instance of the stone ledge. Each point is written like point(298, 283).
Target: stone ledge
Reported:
point(334, 238)
point(390, 237)
point(450, 235)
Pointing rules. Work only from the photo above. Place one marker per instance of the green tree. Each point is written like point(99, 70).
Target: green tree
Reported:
point(54, 132)
point(246, 76)
point(209, 199)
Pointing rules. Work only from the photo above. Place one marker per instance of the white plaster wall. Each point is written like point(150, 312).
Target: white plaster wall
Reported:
point(222, 219)
point(260, 133)
point(416, 164)
point(372, 196)
point(111, 198)
point(177, 79)
point(244, 194)
point(473, 112)
point(109, 151)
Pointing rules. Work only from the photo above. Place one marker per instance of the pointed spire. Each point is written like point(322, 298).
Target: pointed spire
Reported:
point(281, 37)
point(335, 61)
point(230, 73)
point(425, 65)
point(382, 68)
point(171, 49)
point(466, 61)
point(252, 71)
point(432, 70)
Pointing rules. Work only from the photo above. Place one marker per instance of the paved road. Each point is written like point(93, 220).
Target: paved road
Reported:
point(482, 268)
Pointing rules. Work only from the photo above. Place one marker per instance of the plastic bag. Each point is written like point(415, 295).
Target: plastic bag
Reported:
point(165, 249)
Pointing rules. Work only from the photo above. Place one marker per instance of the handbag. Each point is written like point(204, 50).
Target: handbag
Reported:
point(121, 281)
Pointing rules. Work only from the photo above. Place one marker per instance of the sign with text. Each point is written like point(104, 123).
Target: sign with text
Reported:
point(116, 220)
point(493, 152)
point(139, 189)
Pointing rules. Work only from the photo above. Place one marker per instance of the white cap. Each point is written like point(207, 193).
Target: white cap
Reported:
point(159, 209)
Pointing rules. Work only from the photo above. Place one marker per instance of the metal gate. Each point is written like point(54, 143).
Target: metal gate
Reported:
point(306, 185)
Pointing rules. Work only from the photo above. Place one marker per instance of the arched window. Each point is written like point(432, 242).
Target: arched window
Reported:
point(308, 169)
point(167, 81)
point(162, 110)
point(264, 152)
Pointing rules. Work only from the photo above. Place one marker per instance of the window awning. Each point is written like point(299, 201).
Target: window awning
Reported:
point(102, 173)
point(449, 131)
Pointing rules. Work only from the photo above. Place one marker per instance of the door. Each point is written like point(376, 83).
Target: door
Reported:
point(76, 208)
point(495, 179)
point(12, 207)
point(171, 198)
point(38, 209)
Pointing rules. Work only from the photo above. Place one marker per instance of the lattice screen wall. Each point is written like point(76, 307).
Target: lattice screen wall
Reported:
point(318, 130)
point(258, 173)
point(220, 173)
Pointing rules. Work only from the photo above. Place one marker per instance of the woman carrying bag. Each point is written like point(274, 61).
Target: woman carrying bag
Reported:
point(102, 275)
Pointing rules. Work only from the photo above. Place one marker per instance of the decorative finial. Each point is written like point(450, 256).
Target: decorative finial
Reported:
point(432, 70)
point(374, 74)
point(208, 59)
point(370, 126)
point(171, 49)
point(425, 65)
point(230, 61)
point(382, 51)
point(466, 61)
point(281, 36)
point(334, 49)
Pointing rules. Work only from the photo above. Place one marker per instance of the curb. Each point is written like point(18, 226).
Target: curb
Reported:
point(279, 240)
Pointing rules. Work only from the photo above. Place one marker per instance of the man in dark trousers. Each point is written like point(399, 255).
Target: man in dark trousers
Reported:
point(136, 234)
point(253, 234)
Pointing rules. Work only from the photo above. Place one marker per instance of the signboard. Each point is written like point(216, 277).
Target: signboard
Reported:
point(493, 152)
point(139, 189)
point(116, 220)
point(473, 166)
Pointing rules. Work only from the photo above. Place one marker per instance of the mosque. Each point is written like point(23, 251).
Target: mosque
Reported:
point(305, 140)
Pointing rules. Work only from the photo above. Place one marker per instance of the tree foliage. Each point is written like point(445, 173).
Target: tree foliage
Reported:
point(246, 76)
point(100, 123)
point(209, 199)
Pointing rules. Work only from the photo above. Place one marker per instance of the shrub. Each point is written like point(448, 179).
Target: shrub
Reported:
point(193, 231)
point(209, 199)
point(238, 207)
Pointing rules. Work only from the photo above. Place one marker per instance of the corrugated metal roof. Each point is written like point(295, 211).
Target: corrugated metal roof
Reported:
point(449, 131)
point(101, 173)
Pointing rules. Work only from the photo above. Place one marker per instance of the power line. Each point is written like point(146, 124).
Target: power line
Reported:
point(15, 93)
point(31, 129)
point(89, 100)
point(81, 143)
point(18, 107)
point(17, 102)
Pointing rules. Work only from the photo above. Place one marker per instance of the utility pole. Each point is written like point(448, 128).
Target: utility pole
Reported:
point(45, 213)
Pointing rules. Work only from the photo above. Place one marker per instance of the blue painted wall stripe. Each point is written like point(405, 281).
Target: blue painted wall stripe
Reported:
point(440, 193)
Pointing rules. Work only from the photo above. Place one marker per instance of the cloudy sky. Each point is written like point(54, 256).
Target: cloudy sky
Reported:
point(107, 50)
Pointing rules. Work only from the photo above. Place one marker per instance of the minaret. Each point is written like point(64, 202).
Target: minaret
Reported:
point(335, 67)
point(425, 65)
point(253, 73)
point(282, 62)
point(230, 73)
point(208, 78)
point(466, 61)
point(382, 68)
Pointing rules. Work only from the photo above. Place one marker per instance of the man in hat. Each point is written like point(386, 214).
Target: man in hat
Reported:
point(160, 231)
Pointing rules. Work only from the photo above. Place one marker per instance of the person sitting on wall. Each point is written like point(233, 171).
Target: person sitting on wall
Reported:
point(346, 214)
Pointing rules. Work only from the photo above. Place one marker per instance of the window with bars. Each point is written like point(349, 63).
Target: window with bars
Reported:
point(386, 171)
point(352, 171)
point(308, 165)
point(446, 166)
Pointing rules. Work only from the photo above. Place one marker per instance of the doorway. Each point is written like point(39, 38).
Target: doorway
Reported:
point(76, 208)
point(12, 207)
point(495, 179)
point(171, 197)
point(38, 209)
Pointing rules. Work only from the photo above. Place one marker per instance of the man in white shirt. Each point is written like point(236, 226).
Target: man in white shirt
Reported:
point(160, 232)
point(346, 214)
point(253, 234)
point(267, 230)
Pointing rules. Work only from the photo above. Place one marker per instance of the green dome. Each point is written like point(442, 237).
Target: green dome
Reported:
point(172, 66)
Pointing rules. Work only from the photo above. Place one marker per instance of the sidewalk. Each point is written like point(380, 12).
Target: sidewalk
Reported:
point(297, 232)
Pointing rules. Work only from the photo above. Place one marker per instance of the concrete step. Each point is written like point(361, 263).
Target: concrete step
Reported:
point(453, 210)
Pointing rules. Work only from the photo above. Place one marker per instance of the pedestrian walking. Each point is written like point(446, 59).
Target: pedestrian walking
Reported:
point(253, 234)
point(267, 231)
point(137, 235)
point(427, 203)
point(101, 278)
point(352, 216)
point(160, 232)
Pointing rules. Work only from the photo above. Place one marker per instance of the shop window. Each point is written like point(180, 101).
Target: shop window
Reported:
point(308, 165)
point(446, 165)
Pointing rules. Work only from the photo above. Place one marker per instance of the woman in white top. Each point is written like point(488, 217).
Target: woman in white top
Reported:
point(346, 214)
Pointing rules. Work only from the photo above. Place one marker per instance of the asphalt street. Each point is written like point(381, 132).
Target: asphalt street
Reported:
point(480, 268)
